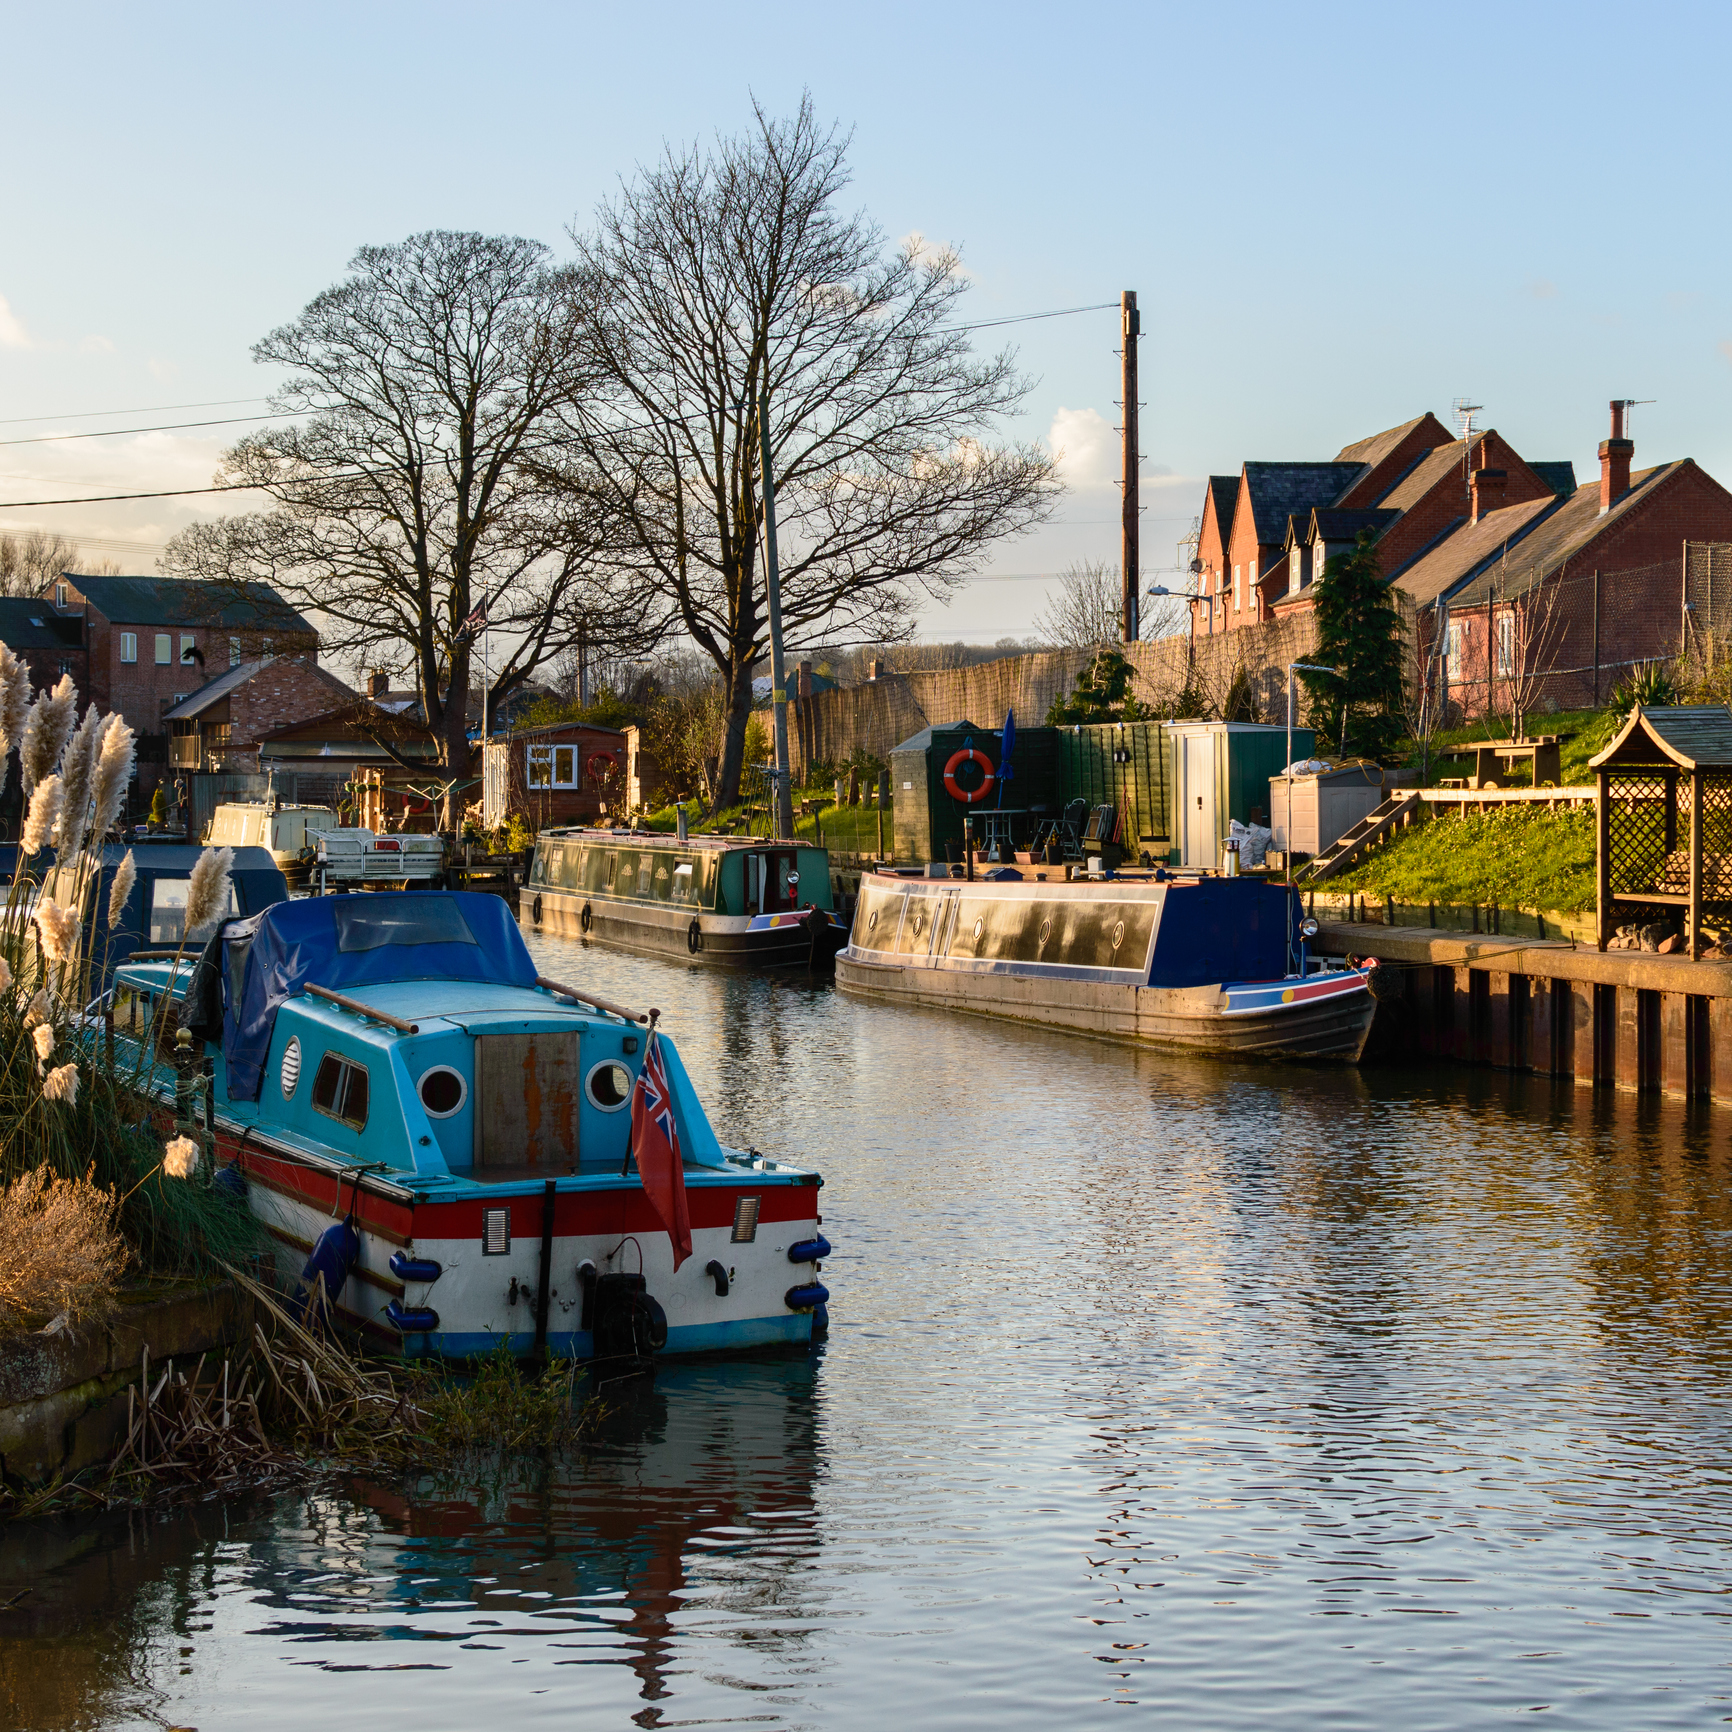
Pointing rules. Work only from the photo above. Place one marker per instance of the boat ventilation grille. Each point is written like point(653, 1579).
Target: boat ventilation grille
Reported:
point(745, 1220)
point(291, 1068)
point(495, 1232)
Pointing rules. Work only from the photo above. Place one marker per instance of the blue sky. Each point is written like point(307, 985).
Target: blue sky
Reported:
point(1335, 216)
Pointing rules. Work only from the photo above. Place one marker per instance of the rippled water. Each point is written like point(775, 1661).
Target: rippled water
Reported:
point(1216, 1395)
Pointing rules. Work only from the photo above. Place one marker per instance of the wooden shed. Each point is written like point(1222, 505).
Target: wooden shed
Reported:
point(1664, 844)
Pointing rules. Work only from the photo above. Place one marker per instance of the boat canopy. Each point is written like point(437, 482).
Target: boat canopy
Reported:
point(344, 941)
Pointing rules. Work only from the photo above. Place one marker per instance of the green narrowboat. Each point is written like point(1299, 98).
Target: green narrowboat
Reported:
point(740, 902)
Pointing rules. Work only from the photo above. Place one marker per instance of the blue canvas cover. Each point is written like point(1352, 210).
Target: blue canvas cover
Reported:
point(341, 942)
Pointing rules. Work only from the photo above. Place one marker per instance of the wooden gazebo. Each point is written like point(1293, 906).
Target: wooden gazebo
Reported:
point(1665, 819)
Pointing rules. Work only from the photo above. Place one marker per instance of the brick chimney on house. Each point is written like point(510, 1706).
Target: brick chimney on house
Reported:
point(378, 685)
point(1489, 486)
point(1615, 455)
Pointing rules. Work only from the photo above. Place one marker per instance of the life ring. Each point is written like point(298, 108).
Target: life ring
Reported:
point(694, 936)
point(535, 909)
point(586, 919)
point(969, 754)
point(600, 763)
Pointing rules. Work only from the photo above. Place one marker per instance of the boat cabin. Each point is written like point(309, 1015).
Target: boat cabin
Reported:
point(712, 874)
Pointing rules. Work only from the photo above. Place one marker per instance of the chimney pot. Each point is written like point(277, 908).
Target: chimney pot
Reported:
point(378, 685)
point(1618, 406)
point(1489, 486)
point(1615, 456)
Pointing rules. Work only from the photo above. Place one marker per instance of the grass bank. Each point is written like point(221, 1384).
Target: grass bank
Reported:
point(1510, 856)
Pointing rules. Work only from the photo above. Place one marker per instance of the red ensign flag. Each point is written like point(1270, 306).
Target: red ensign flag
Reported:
point(656, 1144)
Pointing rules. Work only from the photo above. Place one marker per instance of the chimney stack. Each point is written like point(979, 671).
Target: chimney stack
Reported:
point(378, 685)
point(1615, 455)
point(1488, 491)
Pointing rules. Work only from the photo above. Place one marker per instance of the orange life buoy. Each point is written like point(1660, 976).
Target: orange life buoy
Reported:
point(968, 754)
point(599, 764)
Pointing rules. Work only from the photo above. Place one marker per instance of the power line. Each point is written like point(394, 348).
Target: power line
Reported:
point(1029, 318)
point(147, 409)
point(165, 427)
point(164, 493)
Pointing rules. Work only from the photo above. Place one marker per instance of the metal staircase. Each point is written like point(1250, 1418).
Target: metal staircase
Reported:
point(1397, 810)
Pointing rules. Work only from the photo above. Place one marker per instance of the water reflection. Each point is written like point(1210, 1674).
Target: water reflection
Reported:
point(1228, 1394)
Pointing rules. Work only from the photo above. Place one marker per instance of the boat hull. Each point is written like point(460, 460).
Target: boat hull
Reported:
point(487, 1301)
point(1332, 1025)
point(722, 940)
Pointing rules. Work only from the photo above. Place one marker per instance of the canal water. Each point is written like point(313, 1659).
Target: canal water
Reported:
point(1199, 1394)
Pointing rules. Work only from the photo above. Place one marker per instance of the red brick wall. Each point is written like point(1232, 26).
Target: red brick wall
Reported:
point(1212, 552)
point(1448, 499)
point(1427, 436)
point(288, 689)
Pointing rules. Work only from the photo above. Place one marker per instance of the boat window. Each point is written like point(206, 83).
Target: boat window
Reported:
point(340, 1090)
point(784, 883)
point(168, 910)
point(661, 877)
point(685, 883)
point(609, 1085)
point(443, 1091)
point(565, 867)
point(370, 923)
point(597, 868)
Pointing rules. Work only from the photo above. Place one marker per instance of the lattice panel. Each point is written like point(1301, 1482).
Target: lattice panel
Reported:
point(1708, 586)
point(1638, 834)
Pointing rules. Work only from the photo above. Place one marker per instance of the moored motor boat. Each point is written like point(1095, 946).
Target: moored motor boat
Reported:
point(1197, 961)
point(736, 901)
point(469, 1154)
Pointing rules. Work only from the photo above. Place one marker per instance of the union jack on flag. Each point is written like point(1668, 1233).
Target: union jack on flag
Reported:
point(475, 621)
point(655, 1141)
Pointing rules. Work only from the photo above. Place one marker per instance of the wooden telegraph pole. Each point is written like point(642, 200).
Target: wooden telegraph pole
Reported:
point(1130, 614)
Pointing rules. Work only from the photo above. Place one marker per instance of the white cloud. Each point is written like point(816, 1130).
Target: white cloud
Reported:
point(926, 252)
point(1086, 446)
point(162, 370)
point(96, 344)
point(12, 332)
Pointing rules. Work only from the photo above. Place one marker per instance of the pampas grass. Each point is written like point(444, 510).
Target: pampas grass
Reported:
point(59, 929)
point(61, 1084)
point(14, 697)
point(61, 1252)
point(45, 805)
point(43, 1036)
point(75, 778)
point(47, 727)
point(180, 1157)
point(208, 888)
point(39, 1009)
point(113, 773)
point(119, 890)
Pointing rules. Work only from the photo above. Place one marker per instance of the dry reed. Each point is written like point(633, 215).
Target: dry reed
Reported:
point(61, 1253)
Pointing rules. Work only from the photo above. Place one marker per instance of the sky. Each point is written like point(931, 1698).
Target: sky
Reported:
point(1335, 217)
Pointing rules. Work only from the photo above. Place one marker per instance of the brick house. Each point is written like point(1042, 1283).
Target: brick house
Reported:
point(153, 641)
point(220, 726)
point(48, 643)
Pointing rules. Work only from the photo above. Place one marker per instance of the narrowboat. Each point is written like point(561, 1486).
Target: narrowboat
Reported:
point(736, 901)
point(462, 1149)
point(1197, 961)
point(288, 833)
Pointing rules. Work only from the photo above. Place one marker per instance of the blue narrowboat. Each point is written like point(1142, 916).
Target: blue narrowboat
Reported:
point(448, 1138)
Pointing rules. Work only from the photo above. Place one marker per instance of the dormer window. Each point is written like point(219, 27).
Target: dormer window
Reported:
point(1319, 558)
point(60, 595)
point(1295, 569)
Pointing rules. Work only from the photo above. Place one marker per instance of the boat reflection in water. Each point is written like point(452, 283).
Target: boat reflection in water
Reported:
point(696, 1498)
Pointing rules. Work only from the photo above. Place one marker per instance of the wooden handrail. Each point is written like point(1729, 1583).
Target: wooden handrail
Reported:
point(360, 1009)
point(602, 1004)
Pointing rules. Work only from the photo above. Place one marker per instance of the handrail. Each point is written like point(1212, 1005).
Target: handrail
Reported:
point(602, 1004)
point(360, 1009)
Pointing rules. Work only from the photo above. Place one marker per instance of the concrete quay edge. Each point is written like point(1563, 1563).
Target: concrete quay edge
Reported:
point(1420, 945)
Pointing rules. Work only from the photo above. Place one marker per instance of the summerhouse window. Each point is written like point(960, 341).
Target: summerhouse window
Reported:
point(553, 767)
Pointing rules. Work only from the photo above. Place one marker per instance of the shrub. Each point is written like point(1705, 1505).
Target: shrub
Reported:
point(61, 1253)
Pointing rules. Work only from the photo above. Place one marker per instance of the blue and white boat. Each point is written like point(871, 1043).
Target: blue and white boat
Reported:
point(413, 1111)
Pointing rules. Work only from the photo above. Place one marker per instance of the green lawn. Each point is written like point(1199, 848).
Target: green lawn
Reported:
point(1511, 856)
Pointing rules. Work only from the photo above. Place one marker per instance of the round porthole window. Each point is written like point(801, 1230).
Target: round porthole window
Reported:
point(979, 927)
point(1118, 934)
point(919, 924)
point(442, 1091)
point(1046, 929)
point(872, 920)
point(291, 1068)
point(609, 1085)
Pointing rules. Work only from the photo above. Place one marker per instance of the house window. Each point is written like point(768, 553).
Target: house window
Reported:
point(60, 595)
point(235, 651)
point(188, 643)
point(1452, 651)
point(1319, 559)
point(1505, 645)
point(1238, 591)
point(129, 646)
point(164, 649)
point(1295, 569)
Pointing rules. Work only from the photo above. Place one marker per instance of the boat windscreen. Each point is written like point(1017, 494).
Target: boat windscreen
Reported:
point(370, 922)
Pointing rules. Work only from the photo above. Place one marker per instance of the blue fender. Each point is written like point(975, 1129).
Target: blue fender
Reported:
point(411, 1320)
point(407, 1268)
point(809, 1250)
point(806, 1298)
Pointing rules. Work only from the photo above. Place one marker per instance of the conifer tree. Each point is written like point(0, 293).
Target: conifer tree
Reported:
point(1103, 694)
point(1359, 632)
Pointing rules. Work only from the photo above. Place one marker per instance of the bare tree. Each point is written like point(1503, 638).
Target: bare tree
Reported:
point(404, 502)
point(1527, 647)
point(726, 273)
point(30, 562)
point(1085, 610)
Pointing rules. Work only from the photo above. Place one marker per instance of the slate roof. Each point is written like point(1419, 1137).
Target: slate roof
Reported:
point(1560, 477)
point(1465, 550)
point(1692, 736)
point(214, 692)
point(1334, 524)
point(26, 625)
point(1279, 490)
point(1562, 534)
point(189, 601)
point(1224, 490)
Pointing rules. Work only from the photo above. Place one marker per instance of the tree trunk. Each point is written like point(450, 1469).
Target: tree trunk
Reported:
point(738, 713)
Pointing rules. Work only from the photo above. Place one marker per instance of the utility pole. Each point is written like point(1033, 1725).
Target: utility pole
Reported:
point(784, 794)
point(1129, 560)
